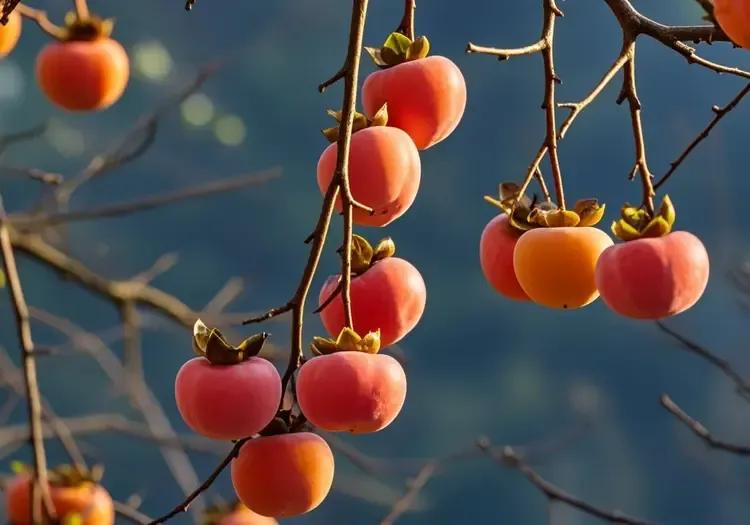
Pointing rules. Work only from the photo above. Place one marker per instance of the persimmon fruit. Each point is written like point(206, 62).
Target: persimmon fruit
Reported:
point(9, 34)
point(89, 500)
point(733, 17)
point(390, 297)
point(351, 391)
point(556, 266)
point(426, 98)
point(653, 278)
point(237, 514)
point(83, 75)
point(228, 401)
point(496, 248)
point(384, 173)
point(283, 475)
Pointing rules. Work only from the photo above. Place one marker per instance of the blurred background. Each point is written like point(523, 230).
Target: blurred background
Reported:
point(477, 364)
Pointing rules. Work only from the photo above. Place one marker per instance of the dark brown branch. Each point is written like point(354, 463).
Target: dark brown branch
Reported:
point(407, 22)
point(40, 500)
point(700, 430)
point(551, 12)
point(508, 457)
point(742, 386)
point(719, 113)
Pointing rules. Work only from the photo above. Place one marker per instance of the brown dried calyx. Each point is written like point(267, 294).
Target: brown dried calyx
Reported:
point(210, 343)
point(638, 223)
point(525, 214)
point(214, 514)
point(364, 255)
point(65, 475)
point(360, 122)
point(89, 28)
point(347, 341)
point(397, 49)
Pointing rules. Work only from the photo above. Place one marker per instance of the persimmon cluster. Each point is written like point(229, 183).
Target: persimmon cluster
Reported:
point(84, 69)
point(533, 251)
point(283, 468)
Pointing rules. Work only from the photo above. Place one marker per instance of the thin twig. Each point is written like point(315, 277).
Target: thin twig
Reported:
point(12, 138)
point(41, 19)
point(407, 22)
point(414, 488)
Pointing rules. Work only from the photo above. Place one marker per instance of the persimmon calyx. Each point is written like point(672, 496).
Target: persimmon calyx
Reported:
point(91, 28)
point(347, 341)
point(64, 475)
point(525, 214)
point(397, 49)
point(364, 255)
point(361, 121)
point(638, 223)
point(2, 279)
point(214, 514)
point(211, 344)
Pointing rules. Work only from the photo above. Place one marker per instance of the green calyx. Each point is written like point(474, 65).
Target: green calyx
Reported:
point(525, 214)
point(360, 122)
point(364, 255)
point(210, 343)
point(397, 49)
point(90, 28)
point(638, 223)
point(347, 341)
point(64, 475)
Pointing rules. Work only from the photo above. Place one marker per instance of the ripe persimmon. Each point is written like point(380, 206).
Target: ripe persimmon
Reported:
point(283, 475)
point(556, 266)
point(387, 294)
point(384, 173)
point(496, 247)
point(71, 495)
point(237, 514)
point(653, 278)
point(9, 34)
point(86, 70)
point(426, 97)
point(733, 17)
point(351, 391)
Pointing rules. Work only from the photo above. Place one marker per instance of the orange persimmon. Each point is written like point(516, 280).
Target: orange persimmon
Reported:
point(283, 475)
point(425, 97)
point(9, 34)
point(83, 75)
point(653, 278)
point(87, 499)
point(496, 247)
point(556, 266)
point(384, 173)
point(733, 17)
point(351, 391)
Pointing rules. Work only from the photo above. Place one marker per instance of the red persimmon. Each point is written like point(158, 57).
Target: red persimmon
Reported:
point(734, 19)
point(496, 249)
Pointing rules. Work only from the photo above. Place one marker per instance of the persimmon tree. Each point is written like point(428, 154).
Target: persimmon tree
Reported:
point(280, 425)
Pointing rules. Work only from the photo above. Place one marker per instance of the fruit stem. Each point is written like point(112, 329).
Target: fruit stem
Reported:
point(82, 9)
point(551, 12)
point(41, 19)
point(407, 22)
point(40, 501)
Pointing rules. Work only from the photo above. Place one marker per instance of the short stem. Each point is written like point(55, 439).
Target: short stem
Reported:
point(407, 22)
point(551, 12)
point(82, 9)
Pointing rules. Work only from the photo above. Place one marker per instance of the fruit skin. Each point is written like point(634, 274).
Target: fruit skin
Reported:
point(496, 248)
point(653, 278)
point(556, 266)
point(91, 501)
point(384, 173)
point(83, 75)
point(229, 401)
point(426, 98)
point(351, 391)
point(734, 19)
point(283, 475)
point(9, 34)
point(245, 516)
point(390, 297)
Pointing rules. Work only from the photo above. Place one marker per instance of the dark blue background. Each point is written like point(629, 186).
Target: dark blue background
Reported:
point(478, 364)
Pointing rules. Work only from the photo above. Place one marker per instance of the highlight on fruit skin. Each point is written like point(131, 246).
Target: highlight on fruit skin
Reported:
point(556, 266)
point(426, 96)
point(10, 33)
point(733, 17)
point(388, 294)
point(384, 173)
point(653, 278)
point(496, 248)
point(351, 391)
point(73, 495)
point(283, 475)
